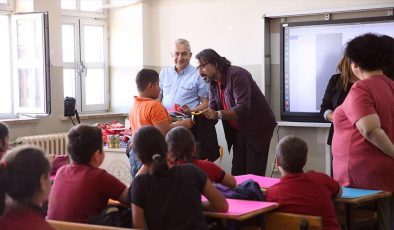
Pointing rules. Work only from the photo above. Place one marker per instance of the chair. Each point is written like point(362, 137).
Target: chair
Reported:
point(64, 225)
point(290, 221)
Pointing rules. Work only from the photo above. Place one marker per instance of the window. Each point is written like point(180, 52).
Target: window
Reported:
point(85, 57)
point(24, 64)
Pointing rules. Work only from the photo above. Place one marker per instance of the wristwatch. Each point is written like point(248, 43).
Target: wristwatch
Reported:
point(220, 115)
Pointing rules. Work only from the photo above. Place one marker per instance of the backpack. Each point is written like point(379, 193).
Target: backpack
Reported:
point(116, 216)
point(247, 190)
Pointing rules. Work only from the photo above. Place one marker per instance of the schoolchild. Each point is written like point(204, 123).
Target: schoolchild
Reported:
point(169, 197)
point(308, 193)
point(24, 180)
point(147, 110)
point(4, 138)
point(81, 189)
point(182, 150)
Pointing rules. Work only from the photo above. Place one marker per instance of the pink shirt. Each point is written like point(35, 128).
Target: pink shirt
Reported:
point(308, 193)
point(357, 162)
point(81, 191)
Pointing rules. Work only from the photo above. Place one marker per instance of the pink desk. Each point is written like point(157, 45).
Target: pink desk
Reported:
point(243, 209)
point(264, 182)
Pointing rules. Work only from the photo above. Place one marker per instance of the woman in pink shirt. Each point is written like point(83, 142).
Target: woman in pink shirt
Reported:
point(363, 149)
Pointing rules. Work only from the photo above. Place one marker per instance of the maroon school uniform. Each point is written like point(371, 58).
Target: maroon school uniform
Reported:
point(308, 193)
point(214, 172)
point(81, 191)
point(24, 218)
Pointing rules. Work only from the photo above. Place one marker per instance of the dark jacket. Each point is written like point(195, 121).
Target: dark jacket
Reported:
point(333, 97)
point(256, 119)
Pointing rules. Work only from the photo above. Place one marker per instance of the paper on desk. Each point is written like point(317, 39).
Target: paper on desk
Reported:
point(264, 182)
point(357, 192)
point(242, 207)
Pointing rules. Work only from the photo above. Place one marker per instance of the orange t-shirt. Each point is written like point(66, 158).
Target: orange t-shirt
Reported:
point(147, 111)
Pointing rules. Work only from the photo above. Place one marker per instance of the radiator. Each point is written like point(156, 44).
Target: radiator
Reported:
point(54, 143)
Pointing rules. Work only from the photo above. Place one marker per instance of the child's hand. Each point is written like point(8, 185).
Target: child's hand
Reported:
point(187, 123)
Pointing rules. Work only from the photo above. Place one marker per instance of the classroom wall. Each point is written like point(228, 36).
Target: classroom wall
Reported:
point(142, 35)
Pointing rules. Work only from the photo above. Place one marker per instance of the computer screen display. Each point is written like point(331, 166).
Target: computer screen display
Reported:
point(310, 52)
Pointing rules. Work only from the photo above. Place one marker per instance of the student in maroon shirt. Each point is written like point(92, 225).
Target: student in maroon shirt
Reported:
point(247, 118)
point(24, 178)
point(82, 189)
point(308, 193)
point(182, 150)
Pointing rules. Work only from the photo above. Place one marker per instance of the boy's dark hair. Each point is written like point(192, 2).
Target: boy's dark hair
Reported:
point(20, 174)
point(291, 154)
point(4, 132)
point(181, 143)
point(144, 77)
point(151, 148)
point(83, 142)
point(371, 51)
point(210, 56)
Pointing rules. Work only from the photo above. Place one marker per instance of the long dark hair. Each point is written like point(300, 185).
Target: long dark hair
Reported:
point(151, 149)
point(210, 56)
point(181, 143)
point(20, 174)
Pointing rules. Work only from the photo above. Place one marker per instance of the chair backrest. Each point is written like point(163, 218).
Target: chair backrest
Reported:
point(64, 225)
point(290, 221)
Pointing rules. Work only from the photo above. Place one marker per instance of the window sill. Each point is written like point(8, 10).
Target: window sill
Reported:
point(95, 116)
point(21, 120)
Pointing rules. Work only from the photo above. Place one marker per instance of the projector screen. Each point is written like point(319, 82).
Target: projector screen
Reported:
point(310, 52)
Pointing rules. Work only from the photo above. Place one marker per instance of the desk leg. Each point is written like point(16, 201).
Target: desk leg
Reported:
point(349, 216)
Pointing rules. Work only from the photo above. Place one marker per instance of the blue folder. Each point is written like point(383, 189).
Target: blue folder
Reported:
point(357, 192)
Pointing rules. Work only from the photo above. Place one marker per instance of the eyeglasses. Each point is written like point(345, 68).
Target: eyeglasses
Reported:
point(202, 66)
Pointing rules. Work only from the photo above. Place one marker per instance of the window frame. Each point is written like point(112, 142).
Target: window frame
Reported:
point(42, 64)
point(103, 14)
point(79, 61)
point(7, 7)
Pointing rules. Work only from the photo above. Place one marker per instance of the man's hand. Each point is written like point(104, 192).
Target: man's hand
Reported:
point(186, 109)
point(210, 114)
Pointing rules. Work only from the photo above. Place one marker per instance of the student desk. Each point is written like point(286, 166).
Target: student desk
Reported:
point(241, 210)
point(352, 198)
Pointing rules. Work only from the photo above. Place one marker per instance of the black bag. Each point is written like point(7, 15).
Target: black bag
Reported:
point(69, 106)
point(247, 190)
point(116, 216)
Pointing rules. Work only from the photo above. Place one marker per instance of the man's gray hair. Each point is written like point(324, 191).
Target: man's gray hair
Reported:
point(183, 42)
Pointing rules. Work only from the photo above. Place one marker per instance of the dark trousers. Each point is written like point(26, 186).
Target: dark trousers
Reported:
point(246, 158)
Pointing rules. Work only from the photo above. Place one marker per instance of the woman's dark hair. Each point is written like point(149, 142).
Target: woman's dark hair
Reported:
point(181, 143)
point(20, 174)
point(4, 132)
point(210, 56)
point(151, 149)
point(291, 153)
point(144, 77)
point(371, 51)
point(388, 70)
point(83, 141)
